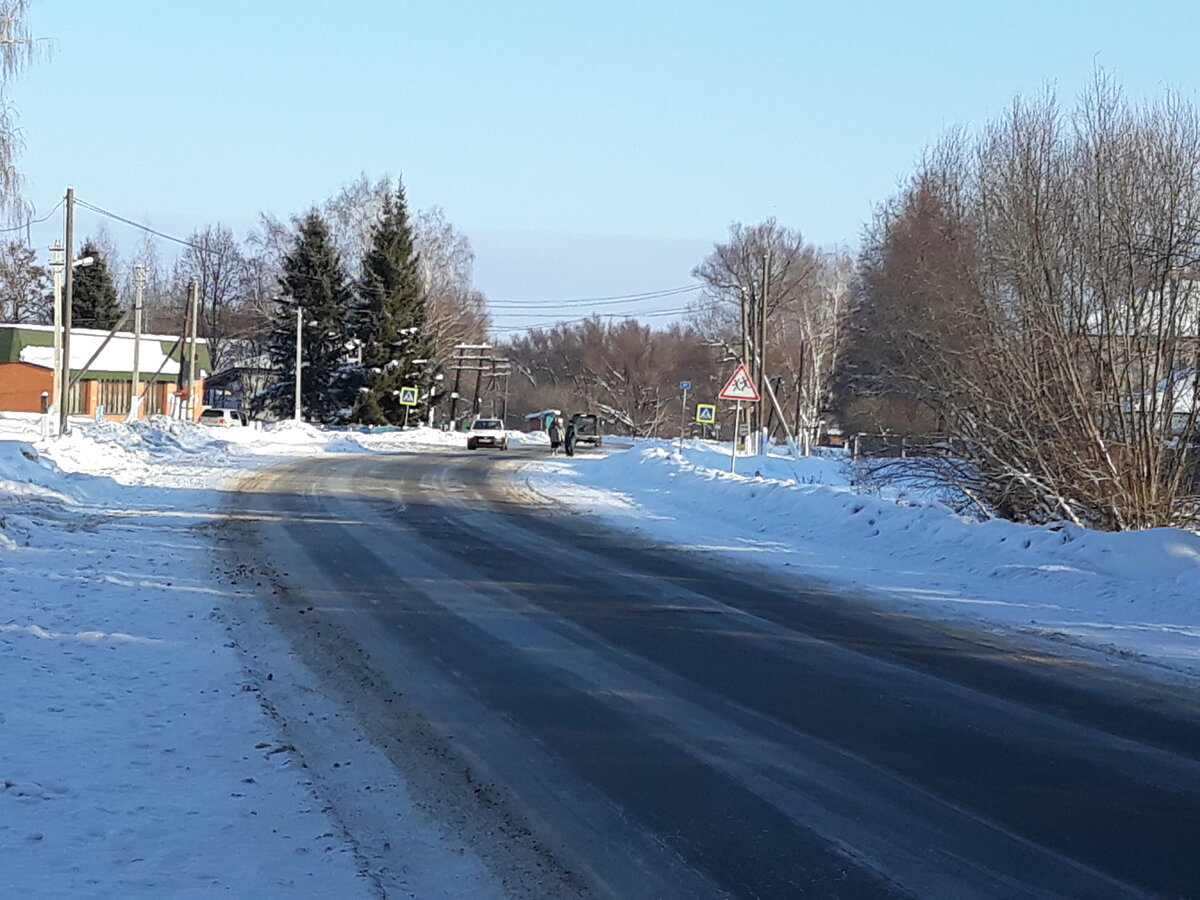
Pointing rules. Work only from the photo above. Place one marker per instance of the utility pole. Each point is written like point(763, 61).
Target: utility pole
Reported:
point(471, 358)
point(181, 378)
point(762, 352)
point(135, 393)
point(299, 358)
point(56, 268)
point(68, 296)
point(457, 379)
point(475, 410)
point(504, 415)
point(194, 291)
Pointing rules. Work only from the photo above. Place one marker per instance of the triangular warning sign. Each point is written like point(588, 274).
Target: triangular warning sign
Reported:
point(740, 386)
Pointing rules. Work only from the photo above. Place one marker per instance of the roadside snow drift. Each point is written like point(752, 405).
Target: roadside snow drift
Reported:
point(136, 760)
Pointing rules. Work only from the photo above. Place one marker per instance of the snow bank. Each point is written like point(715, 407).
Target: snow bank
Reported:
point(136, 759)
point(27, 475)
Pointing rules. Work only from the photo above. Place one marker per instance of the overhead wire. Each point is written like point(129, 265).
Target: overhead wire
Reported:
point(633, 315)
point(26, 224)
point(514, 309)
point(147, 228)
point(506, 308)
point(596, 301)
point(524, 311)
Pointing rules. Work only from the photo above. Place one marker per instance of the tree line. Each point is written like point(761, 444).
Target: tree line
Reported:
point(1025, 311)
point(1031, 296)
point(379, 287)
point(630, 372)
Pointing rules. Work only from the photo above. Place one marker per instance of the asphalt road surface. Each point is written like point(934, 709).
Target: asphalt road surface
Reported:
point(629, 720)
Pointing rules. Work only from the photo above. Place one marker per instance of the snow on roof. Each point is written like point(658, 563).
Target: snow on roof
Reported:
point(76, 332)
point(117, 356)
point(544, 413)
point(245, 355)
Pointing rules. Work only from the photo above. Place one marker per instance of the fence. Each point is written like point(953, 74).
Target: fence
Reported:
point(882, 445)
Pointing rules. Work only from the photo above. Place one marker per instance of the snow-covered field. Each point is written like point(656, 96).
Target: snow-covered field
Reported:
point(136, 759)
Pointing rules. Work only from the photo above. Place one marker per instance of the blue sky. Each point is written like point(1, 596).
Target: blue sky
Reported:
point(587, 148)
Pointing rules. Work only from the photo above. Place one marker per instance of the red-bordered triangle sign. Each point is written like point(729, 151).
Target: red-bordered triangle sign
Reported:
point(740, 386)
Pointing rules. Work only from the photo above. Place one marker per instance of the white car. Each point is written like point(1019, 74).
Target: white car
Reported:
point(223, 417)
point(487, 433)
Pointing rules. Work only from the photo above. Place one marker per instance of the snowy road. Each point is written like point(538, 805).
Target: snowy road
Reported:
point(593, 713)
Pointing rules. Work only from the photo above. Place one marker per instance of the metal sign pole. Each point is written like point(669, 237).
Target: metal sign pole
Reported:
point(683, 414)
point(737, 420)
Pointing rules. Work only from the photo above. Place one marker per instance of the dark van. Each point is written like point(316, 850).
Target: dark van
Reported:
point(587, 429)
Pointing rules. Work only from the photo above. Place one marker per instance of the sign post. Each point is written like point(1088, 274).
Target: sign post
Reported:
point(408, 399)
point(683, 386)
point(737, 429)
point(739, 387)
point(706, 415)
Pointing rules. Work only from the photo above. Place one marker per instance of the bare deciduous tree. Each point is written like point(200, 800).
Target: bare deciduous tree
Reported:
point(25, 290)
point(626, 372)
point(456, 312)
point(1033, 290)
point(17, 50)
point(214, 258)
point(352, 214)
point(161, 311)
point(807, 297)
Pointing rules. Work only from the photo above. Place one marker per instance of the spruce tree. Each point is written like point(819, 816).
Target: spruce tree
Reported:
point(393, 326)
point(93, 294)
point(314, 280)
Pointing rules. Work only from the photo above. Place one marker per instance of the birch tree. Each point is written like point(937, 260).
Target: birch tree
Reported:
point(18, 49)
point(25, 289)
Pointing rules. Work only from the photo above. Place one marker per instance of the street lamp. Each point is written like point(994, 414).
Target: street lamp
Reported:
point(299, 346)
point(62, 340)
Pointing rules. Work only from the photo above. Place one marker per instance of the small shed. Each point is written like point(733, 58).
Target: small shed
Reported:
point(540, 421)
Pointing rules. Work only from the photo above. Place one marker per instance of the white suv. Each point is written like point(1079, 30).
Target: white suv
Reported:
point(223, 417)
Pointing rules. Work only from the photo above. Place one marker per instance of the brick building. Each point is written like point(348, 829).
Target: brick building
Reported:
point(106, 384)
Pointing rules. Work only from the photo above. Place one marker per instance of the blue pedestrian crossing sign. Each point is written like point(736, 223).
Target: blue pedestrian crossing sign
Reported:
point(408, 396)
point(706, 413)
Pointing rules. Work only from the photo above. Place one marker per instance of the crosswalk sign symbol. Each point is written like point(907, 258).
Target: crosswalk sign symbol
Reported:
point(706, 413)
point(408, 396)
point(740, 386)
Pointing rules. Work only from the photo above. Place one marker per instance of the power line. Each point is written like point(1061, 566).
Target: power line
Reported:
point(147, 228)
point(25, 225)
point(515, 305)
point(531, 305)
point(620, 298)
point(521, 312)
point(560, 322)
